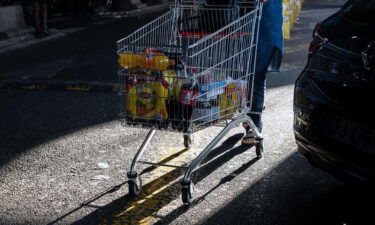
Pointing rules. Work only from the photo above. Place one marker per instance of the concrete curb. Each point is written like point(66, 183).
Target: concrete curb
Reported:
point(19, 42)
point(136, 12)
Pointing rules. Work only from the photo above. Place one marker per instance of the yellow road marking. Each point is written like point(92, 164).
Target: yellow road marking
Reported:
point(161, 189)
point(34, 87)
point(78, 88)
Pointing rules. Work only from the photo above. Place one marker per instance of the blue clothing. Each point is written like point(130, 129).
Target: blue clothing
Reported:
point(269, 53)
point(270, 41)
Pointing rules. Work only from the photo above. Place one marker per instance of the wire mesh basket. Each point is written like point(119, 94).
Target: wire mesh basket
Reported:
point(189, 68)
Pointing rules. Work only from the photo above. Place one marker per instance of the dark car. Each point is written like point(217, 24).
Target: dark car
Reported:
point(334, 97)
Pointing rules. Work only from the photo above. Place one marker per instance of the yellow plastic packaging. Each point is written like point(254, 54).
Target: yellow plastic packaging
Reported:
point(228, 101)
point(158, 61)
point(129, 60)
point(146, 99)
point(173, 84)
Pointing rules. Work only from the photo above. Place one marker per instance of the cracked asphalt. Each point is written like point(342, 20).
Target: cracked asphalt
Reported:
point(64, 158)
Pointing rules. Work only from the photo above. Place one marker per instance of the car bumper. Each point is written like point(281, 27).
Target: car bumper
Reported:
point(311, 106)
point(334, 164)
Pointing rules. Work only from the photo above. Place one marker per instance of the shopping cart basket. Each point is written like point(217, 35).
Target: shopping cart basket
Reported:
point(190, 68)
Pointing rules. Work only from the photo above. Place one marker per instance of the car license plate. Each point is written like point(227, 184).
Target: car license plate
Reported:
point(353, 134)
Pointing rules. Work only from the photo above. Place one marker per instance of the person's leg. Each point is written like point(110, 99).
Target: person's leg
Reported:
point(258, 99)
point(36, 11)
point(45, 16)
point(257, 107)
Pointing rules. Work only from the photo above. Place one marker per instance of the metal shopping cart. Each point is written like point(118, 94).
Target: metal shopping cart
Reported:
point(190, 68)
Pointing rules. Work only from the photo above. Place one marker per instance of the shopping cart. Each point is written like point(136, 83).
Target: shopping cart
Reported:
point(190, 68)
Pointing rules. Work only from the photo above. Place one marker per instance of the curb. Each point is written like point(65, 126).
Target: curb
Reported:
point(56, 85)
point(31, 41)
point(135, 12)
point(60, 33)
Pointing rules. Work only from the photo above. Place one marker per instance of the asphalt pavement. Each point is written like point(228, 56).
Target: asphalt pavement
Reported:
point(88, 54)
point(64, 154)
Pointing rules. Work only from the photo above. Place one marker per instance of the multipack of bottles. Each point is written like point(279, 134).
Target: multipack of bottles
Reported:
point(149, 59)
point(160, 88)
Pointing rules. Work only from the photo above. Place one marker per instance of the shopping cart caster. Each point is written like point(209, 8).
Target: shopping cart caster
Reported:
point(187, 140)
point(135, 184)
point(259, 148)
point(187, 192)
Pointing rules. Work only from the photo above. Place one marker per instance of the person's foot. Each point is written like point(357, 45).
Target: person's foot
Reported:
point(46, 32)
point(249, 139)
point(38, 34)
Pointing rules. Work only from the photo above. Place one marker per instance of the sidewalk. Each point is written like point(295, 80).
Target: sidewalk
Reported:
point(79, 55)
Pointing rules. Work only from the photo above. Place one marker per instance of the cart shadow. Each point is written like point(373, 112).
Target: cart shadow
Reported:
point(296, 193)
point(168, 219)
point(88, 203)
point(164, 191)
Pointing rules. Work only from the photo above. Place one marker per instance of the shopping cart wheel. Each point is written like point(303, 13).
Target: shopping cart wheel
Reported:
point(135, 184)
point(187, 193)
point(259, 148)
point(187, 140)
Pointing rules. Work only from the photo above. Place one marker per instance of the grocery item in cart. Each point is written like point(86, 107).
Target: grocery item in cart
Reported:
point(211, 90)
point(206, 111)
point(129, 60)
point(154, 60)
point(174, 86)
point(149, 59)
point(181, 108)
point(229, 100)
point(242, 90)
point(188, 94)
point(208, 77)
point(233, 98)
point(146, 97)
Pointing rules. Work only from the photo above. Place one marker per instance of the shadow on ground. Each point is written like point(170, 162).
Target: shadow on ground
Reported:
point(31, 118)
point(288, 194)
point(165, 189)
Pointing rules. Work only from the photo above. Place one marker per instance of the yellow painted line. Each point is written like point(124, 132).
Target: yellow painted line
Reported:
point(78, 88)
point(34, 87)
point(158, 194)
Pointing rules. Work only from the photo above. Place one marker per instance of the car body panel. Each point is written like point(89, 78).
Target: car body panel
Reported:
point(334, 95)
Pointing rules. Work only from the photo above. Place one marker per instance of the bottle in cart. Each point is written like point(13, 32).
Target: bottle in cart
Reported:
point(129, 60)
point(176, 81)
point(187, 103)
point(149, 59)
point(180, 107)
point(152, 59)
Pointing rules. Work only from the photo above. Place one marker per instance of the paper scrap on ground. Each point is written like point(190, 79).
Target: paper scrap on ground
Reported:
point(103, 165)
point(100, 177)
